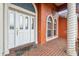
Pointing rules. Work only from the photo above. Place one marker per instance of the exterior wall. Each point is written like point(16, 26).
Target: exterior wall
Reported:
point(43, 11)
point(62, 28)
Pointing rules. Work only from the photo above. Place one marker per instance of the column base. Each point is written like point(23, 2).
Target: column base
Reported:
point(71, 52)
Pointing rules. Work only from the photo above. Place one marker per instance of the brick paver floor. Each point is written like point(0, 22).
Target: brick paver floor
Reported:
point(56, 47)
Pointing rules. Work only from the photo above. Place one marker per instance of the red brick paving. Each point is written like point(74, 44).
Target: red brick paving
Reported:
point(54, 47)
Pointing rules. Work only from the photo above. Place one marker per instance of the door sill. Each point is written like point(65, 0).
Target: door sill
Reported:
point(48, 39)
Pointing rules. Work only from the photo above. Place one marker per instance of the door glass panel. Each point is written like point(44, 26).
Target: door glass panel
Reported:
point(50, 27)
point(11, 20)
point(55, 27)
point(32, 23)
point(21, 22)
point(26, 22)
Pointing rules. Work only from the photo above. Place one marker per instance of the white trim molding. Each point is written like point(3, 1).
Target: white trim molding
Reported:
point(36, 14)
point(1, 28)
point(6, 51)
point(14, 7)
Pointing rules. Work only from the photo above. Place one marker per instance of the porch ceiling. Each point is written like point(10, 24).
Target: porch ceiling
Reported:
point(63, 6)
point(60, 6)
point(62, 10)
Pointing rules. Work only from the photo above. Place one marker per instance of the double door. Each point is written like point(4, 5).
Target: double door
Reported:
point(21, 28)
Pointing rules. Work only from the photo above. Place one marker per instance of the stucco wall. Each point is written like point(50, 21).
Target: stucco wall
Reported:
point(62, 29)
point(43, 11)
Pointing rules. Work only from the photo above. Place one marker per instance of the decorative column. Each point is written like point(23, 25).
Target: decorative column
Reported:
point(71, 29)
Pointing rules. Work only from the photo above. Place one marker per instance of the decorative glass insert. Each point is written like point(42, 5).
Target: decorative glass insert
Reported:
point(11, 20)
point(21, 21)
point(50, 27)
point(55, 27)
point(33, 23)
point(26, 22)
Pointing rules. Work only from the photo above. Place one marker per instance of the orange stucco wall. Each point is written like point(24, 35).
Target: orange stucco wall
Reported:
point(62, 28)
point(43, 11)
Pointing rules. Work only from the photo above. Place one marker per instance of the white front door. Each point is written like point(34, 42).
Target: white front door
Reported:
point(22, 28)
point(19, 29)
point(27, 28)
point(32, 28)
point(11, 29)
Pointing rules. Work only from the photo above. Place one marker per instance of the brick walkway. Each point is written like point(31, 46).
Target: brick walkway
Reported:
point(56, 47)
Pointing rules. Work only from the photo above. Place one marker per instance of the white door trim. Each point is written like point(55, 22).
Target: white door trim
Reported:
point(36, 14)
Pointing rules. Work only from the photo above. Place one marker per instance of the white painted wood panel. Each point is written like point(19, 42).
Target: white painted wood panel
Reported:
point(11, 29)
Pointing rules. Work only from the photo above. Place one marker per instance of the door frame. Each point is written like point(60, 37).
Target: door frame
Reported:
point(53, 17)
point(6, 6)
